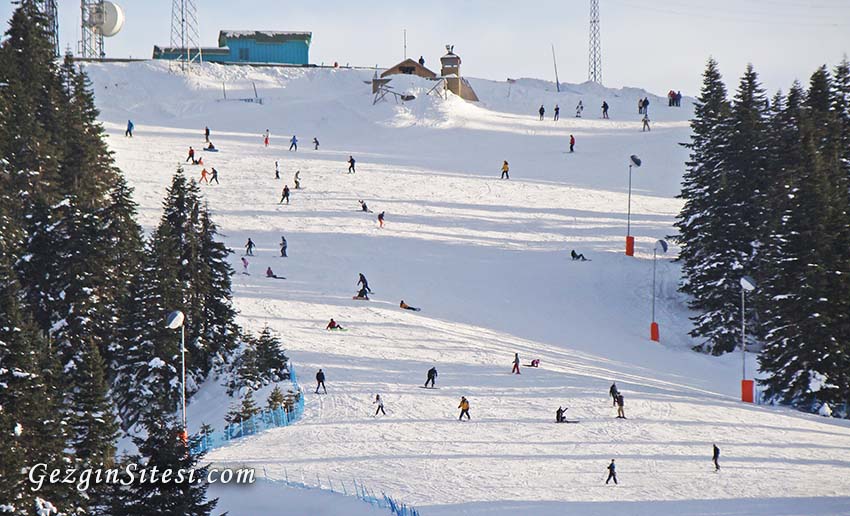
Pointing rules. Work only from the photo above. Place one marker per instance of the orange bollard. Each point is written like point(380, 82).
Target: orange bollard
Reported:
point(630, 245)
point(653, 331)
point(747, 389)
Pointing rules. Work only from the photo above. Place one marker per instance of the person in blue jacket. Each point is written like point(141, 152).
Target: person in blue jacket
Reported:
point(293, 143)
point(129, 131)
point(612, 472)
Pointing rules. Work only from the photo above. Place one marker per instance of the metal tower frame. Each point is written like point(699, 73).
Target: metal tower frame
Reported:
point(594, 58)
point(91, 46)
point(185, 35)
point(48, 7)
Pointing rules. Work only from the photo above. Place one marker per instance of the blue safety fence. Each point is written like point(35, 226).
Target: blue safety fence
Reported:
point(264, 420)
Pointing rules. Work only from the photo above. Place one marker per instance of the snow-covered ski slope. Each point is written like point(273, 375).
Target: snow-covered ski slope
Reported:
point(488, 262)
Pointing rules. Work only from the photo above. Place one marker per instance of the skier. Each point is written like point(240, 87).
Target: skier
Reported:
point(378, 401)
point(293, 143)
point(557, 112)
point(572, 143)
point(244, 265)
point(315, 143)
point(270, 274)
point(249, 248)
point(214, 176)
point(406, 306)
point(129, 131)
point(276, 170)
point(333, 325)
point(559, 415)
point(204, 176)
point(284, 194)
point(715, 457)
point(579, 109)
point(612, 473)
point(362, 295)
point(604, 109)
point(351, 164)
point(191, 155)
point(381, 219)
point(515, 370)
point(362, 280)
point(363, 207)
point(621, 413)
point(266, 138)
point(614, 392)
point(432, 376)
point(542, 110)
point(645, 123)
point(283, 246)
point(577, 256)
point(505, 169)
point(320, 381)
point(207, 134)
point(464, 408)
point(297, 179)
point(646, 105)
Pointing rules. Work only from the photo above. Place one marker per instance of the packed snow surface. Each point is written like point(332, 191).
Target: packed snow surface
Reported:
point(488, 262)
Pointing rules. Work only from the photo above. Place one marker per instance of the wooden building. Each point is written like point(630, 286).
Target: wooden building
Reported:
point(410, 67)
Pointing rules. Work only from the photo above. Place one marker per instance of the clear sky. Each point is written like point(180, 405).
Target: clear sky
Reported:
point(658, 45)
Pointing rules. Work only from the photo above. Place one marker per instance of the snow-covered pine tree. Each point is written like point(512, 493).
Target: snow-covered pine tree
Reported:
point(276, 400)
point(271, 358)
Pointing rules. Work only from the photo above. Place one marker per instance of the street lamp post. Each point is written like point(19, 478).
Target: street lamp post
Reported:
point(630, 240)
point(173, 321)
point(653, 328)
point(748, 284)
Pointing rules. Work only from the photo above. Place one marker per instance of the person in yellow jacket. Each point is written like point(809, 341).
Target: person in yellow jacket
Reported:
point(505, 169)
point(464, 408)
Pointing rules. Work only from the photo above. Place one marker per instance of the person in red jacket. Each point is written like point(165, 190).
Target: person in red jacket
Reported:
point(572, 143)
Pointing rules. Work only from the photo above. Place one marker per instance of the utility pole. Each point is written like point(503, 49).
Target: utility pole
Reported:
point(594, 59)
point(557, 82)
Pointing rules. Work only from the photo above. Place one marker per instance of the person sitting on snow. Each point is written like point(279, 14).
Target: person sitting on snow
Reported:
point(577, 256)
point(559, 415)
point(362, 294)
point(211, 146)
point(333, 325)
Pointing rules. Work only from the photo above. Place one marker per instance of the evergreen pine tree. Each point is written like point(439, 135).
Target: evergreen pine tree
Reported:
point(271, 359)
point(276, 400)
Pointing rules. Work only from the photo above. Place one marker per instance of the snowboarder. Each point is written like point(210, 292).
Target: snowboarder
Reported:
point(646, 105)
point(320, 381)
point(244, 265)
point(572, 143)
point(266, 138)
point(557, 112)
point(577, 256)
point(640, 106)
point(645, 123)
point(432, 376)
point(559, 415)
point(612, 473)
point(406, 306)
point(207, 134)
point(613, 391)
point(678, 99)
point(204, 176)
point(715, 457)
point(534, 363)
point(579, 109)
point(297, 179)
point(362, 281)
point(315, 143)
point(351, 165)
point(129, 131)
point(542, 110)
point(464, 408)
point(363, 207)
point(249, 248)
point(621, 413)
point(276, 170)
point(191, 155)
point(293, 143)
point(270, 274)
point(362, 295)
point(505, 169)
point(381, 219)
point(604, 109)
point(333, 325)
point(515, 369)
point(378, 401)
point(214, 176)
point(211, 147)
point(284, 195)
point(283, 246)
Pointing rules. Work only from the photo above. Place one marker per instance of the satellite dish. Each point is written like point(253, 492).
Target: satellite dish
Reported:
point(748, 283)
point(662, 244)
point(174, 320)
point(635, 160)
point(106, 19)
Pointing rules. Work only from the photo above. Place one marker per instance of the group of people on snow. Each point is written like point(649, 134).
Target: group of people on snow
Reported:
point(674, 98)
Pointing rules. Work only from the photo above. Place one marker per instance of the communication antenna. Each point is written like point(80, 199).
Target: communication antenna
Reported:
point(100, 18)
point(48, 8)
point(185, 37)
point(594, 59)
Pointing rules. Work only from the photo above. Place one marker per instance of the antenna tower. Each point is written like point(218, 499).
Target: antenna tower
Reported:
point(91, 46)
point(185, 36)
point(594, 58)
point(48, 7)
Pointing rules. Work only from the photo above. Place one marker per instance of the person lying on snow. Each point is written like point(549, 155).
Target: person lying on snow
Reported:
point(408, 307)
point(576, 256)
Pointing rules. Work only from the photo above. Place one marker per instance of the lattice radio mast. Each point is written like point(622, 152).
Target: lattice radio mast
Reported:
point(594, 58)
point(185, 36)
point(91, 44)
point(48, 7)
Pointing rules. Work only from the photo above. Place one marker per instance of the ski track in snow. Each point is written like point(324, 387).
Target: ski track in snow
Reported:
point(488, 262)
